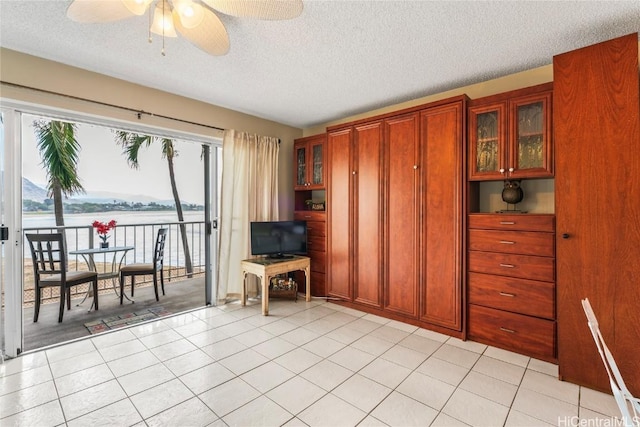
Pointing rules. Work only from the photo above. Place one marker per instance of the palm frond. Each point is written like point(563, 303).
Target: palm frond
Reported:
point(60, 151)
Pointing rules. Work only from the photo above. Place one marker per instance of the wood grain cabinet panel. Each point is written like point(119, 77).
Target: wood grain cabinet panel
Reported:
point(597, 93)
point(367, 209)
point(401, 286)
point(339, 192)
point(441, 170)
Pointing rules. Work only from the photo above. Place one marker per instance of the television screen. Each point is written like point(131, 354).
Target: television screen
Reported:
point(279, 238)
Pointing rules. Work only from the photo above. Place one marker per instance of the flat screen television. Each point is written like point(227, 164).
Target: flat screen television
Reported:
point(279, 239)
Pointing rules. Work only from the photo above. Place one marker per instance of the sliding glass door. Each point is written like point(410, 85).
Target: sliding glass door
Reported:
point(181, 195)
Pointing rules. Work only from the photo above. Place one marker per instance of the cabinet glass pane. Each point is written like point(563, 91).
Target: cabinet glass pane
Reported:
point(301, 156)
point(317, 164)
point(530, 135)
point(487, 142)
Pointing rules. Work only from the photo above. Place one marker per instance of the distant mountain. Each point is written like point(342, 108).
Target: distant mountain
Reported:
point(31, 191)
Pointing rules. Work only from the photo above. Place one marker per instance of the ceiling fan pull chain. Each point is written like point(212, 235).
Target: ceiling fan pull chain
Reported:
point(149, 26)
point(163, 25)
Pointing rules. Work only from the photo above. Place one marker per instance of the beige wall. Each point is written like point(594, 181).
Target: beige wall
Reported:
point(503, 84)
point(539, 193)
point(26, 70)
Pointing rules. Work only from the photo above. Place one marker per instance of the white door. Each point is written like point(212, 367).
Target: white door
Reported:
point(10, 217)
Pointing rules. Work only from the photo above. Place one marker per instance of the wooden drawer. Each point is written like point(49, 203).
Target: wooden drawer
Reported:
point(516, 332)
point(523, 266)
point(309, 216)
point(316, 244)
point(316, 229)
point(516, 295)
point(522, 222)
point(317, 261)
point(513, 242)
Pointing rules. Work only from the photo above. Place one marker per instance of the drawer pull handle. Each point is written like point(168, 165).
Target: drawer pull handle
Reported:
point(507, 222)
point(506, 294)
point(511, 331)
point(507, 242)
point(507, 265)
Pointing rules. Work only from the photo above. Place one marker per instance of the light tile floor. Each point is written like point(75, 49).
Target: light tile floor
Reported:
point(306, 364)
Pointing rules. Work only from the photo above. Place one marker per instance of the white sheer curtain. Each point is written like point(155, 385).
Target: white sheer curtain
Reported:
point(249, 193)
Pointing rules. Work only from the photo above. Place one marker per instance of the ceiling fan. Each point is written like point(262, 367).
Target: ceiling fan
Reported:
point(194, 20)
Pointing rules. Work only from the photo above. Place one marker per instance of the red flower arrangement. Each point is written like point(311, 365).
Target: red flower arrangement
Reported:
point(103, 228)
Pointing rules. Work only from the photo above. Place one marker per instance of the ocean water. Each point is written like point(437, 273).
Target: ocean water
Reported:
point(136, 229)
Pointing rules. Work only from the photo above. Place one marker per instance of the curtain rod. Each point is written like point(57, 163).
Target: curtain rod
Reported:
point(139, 113)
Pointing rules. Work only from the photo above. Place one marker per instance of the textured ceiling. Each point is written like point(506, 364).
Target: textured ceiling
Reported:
point(337, 59)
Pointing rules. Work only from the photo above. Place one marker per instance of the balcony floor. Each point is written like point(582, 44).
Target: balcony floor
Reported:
point(180, 296)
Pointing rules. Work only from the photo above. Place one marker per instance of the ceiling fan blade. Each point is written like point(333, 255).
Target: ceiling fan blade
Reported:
point(210, 36)
point(258, 9)
point(92, 11)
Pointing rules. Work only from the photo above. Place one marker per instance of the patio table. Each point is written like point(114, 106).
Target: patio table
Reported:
point(113, 273)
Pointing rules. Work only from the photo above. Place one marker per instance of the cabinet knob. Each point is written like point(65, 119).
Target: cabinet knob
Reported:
point(511, 169)
point(354, 172)
point(502, 170)
point(565, 235)
point(415, 166)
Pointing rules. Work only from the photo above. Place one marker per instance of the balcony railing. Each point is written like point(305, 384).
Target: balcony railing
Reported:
point(140, 236)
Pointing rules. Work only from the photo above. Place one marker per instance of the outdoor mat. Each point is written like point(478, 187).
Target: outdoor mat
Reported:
point(115, 322)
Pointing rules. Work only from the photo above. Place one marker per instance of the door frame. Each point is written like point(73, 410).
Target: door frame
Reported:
point(11, 195)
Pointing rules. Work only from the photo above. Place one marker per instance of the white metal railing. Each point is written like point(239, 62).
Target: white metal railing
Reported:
point(140, 236)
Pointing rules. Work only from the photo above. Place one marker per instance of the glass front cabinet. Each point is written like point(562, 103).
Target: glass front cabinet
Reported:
point(309, 163)
point(511, 138)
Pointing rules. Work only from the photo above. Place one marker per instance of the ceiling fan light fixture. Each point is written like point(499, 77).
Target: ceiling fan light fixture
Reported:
point(137, 7)
point(188, 12)
point(163, 21)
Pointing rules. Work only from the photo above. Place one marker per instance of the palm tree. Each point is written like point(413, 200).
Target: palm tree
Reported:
point(59, 150)
point(132, 142)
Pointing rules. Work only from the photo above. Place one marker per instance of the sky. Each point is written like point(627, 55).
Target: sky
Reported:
point(103, 167)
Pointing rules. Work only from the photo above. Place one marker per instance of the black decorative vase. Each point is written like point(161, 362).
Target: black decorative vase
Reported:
point(104, 245)
point(512, 192)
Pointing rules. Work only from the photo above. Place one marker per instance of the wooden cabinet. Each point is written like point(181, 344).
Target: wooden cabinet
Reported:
point(309, 184)
point(510, 135)
point(316, 250)
point(597, 135)
point(395, 214)
point(309, 162)
point(511, 282)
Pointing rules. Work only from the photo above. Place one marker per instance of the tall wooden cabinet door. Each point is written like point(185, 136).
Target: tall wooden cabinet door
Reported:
point(367, 208)
point(338, 214)
point(401, 150)
point(442, 226)
point(597, 135)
